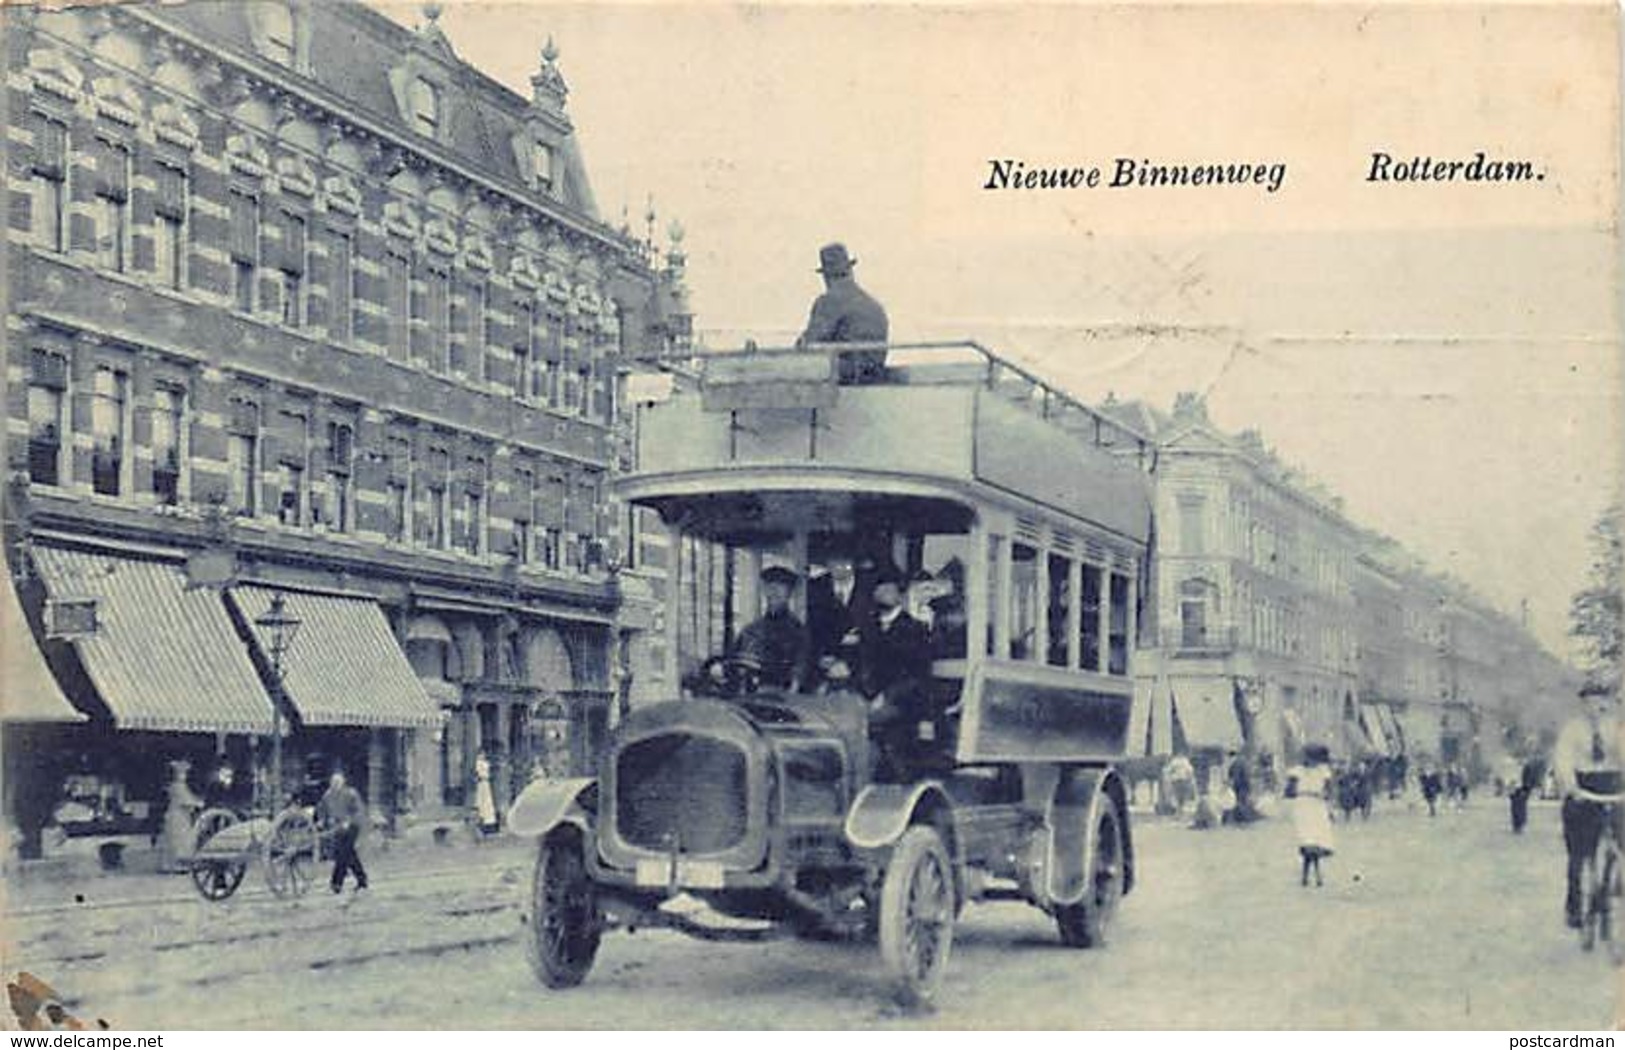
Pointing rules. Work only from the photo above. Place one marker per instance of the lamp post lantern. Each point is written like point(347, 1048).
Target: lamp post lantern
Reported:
point(281, 626)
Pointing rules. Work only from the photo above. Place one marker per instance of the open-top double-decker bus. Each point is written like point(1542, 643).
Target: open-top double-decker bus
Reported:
point(809, 800)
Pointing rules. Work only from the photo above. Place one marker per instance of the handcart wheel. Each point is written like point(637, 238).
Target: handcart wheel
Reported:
point(216, 877)
point(290, 853)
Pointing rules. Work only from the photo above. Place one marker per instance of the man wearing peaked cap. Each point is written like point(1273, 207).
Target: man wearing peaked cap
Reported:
point(777, 642)
point(845, 313)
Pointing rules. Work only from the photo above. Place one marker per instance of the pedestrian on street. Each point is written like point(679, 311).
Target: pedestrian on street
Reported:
point(180, 817)
point(1588, 762)
point(1308, 788)
point(1431, 787)
point(340, 812)
point(485, 805)
point(1528, 780)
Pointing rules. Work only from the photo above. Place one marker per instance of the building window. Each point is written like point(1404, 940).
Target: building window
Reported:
point(474, 519)
point(1198, 605)
point(524, 339)
point(293, 441)
point(243, 459)
point(400, 489)
point(434, 516)
point(542, 165)
point(50, 183)
point(437, 305)
point(109, 426)
point(425, 107)
point(549, 387)
point(47, 419)
point(169, 226)
point(112, 206)
point(340, 286)
point(277, 29)
point(584, 389)
point(168, 438)
point(340, 456)
point(398, 277)
point(1089, 619)
point(1191, 532)
point(524, 502)
point(469, 359)
point(244, 249)
point(551, 548)
point(292, 264)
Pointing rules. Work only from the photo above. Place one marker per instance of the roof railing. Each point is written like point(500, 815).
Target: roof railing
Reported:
point(997, 374)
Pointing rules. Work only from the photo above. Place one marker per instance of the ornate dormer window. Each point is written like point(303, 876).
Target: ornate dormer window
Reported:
point(279, 33)
point(541, 160)
point(425, 107)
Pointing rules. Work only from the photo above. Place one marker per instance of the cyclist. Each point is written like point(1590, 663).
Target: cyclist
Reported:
point(1587, 766)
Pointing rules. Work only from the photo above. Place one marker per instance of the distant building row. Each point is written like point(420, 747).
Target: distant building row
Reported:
point(1279, 621)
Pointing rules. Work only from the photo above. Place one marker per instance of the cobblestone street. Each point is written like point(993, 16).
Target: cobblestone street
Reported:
point(1448, 922)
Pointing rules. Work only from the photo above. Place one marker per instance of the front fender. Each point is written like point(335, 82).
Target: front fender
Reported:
point(1073, 814)
point(882, 812)
point(545, 804)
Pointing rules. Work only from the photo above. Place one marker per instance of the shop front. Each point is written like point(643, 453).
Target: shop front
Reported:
point(166, 682)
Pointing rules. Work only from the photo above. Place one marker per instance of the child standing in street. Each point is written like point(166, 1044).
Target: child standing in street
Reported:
point(1308, 787)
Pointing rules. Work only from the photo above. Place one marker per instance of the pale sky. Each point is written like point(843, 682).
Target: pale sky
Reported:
point(1444, 356)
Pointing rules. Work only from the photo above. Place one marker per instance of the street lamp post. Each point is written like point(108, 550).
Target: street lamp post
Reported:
point(281, 626)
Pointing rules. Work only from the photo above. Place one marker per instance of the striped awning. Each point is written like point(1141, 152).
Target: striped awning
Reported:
point(28, 692)
point(161, 657)
point(344, 666)
point(1208, 717)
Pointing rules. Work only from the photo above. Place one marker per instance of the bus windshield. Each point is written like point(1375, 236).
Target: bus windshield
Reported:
point(799, 605)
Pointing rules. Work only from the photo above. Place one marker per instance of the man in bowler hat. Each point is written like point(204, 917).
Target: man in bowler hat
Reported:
point(894, 674)
point(846, 313)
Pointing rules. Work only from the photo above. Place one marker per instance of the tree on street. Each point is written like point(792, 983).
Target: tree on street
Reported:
point(1595, 612)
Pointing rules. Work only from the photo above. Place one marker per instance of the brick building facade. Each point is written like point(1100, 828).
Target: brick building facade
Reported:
point(300, 303)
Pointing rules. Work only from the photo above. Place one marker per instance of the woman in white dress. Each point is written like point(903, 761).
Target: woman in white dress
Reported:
point(485, 805)
point(1308, 787)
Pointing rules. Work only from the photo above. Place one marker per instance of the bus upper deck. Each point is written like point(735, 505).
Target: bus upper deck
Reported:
point(945, 417)
point(1020, 517)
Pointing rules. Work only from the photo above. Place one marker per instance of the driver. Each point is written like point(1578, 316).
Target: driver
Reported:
point(776, 642)
point(1586, 763)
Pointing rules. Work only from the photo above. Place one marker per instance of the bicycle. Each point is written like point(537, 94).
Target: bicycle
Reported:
point(1601, 880)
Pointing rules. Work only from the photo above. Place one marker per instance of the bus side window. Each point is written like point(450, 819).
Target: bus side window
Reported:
point(1060, 609)
point(1119, 625)
point(1023, 602)
point(1089, 620)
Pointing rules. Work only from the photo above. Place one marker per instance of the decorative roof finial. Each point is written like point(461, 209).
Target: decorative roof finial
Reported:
point(547, 87)
point(432, 10)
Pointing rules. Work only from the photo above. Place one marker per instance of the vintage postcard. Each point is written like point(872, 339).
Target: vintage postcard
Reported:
point(812, 515)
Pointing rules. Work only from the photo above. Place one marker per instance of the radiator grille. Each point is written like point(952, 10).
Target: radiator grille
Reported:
point(683, 789)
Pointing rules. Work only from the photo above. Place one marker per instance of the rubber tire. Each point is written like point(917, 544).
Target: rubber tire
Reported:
point(563, 935)
point(1087, 923)
point(919, 850)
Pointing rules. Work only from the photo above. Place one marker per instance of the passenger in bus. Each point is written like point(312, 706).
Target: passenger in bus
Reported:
point(846, 313)
point(893, 673)
point(948, 614)
point(777, 642)
point(835, 614)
